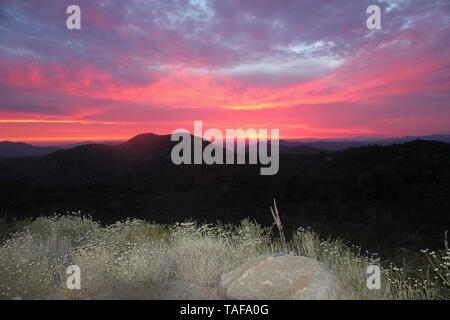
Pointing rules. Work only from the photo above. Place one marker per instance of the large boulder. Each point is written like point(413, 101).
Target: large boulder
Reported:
point(280, 277)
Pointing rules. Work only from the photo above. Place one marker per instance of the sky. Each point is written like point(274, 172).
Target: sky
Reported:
point(308, 68)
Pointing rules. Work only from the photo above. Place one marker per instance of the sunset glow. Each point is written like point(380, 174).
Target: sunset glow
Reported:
point(308, 68)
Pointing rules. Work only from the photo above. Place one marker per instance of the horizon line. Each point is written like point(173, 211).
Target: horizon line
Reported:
point(52, 141)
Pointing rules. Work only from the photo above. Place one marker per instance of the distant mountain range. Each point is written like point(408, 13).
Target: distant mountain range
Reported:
point(391, 196)
point(86, 162)
point(342, 144)
point(293, 146)
point(19, 149)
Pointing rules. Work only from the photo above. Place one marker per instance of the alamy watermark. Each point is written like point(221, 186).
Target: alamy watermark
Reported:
point(374, 280)
point(73, 21)
point(74, 280)
point(213, 153)
point(374, 20)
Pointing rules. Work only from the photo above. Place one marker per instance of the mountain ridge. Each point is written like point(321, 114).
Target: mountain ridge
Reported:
point(302, 146)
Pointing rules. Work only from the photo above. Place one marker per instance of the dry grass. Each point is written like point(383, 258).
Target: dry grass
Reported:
point(139, 254)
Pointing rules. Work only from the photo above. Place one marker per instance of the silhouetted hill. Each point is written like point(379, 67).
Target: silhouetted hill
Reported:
point(383, 197)
point(146, 144)
point(297, 146)
point(342, 144)
point(86, 164)
point(19, 149)
point(96, 162)
point(287, 147)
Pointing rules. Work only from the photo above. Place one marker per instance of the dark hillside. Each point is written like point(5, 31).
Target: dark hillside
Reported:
point(382, 197)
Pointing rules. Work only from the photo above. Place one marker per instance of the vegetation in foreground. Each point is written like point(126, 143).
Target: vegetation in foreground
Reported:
point(140, 254)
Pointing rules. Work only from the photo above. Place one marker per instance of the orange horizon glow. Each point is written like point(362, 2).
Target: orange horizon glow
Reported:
point(335, 80)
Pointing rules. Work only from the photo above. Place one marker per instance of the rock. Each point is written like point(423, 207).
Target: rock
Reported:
point(280, 277)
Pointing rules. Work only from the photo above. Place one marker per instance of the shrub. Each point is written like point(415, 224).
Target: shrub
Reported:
point(139, 254)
